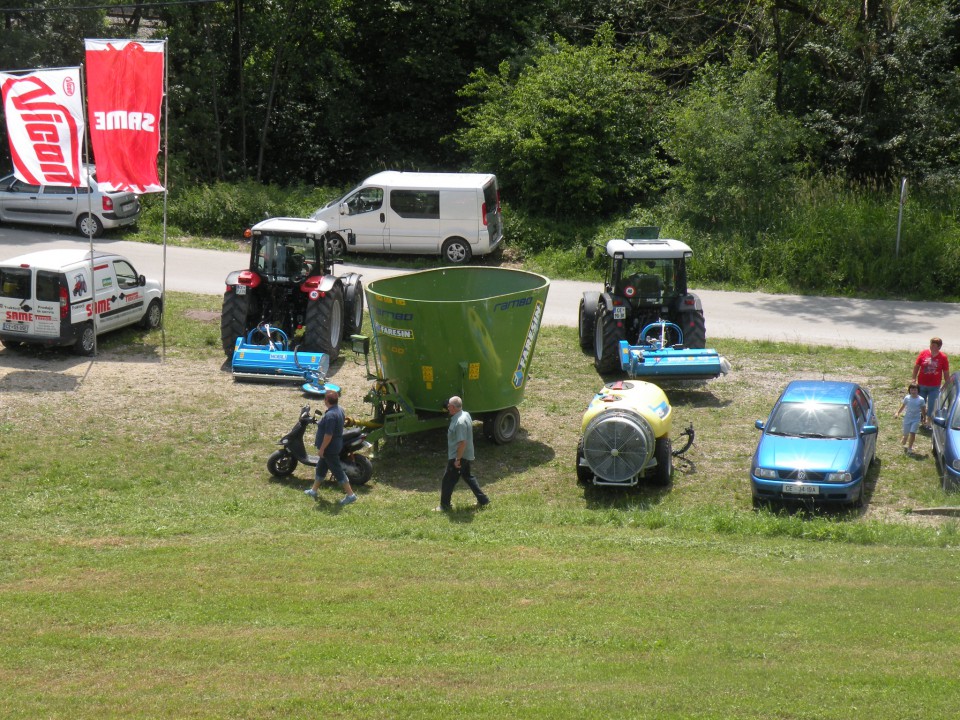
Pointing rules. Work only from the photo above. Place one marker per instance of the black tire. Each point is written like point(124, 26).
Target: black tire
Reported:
point(505, 425)
point(587, 320)
point(584, 475)
point(694, 330)
point(353, 307)
point(281, 464)
point(456, 251)
point(488, 427)
point(89, 225)
point(324, 324)
point(11, 344)
point(233, 319)
point(607, 337)
point(359, 471)
point(86, 341)
point(153, 316)
point(663, 452)
point(336, 246)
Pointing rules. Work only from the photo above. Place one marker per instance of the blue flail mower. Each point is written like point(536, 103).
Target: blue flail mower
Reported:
point(265, 354)
point(655, 358)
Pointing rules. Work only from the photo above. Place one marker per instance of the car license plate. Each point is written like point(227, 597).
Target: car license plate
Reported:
point(241, 290)
point(15, 327)
point(800, 489)
point(619, 312)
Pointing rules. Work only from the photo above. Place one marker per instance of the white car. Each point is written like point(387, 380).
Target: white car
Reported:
point(49, 298)
point(64, 206)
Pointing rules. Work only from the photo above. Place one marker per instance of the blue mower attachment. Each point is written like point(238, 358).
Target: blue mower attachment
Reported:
point(265, 354)
point(656, 357)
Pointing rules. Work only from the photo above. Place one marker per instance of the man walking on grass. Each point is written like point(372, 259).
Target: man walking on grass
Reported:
point(459, 456)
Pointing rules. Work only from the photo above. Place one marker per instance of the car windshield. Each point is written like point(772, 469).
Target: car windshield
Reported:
point(808, 419)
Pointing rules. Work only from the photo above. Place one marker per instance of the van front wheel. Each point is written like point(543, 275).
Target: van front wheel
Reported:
point(457, 251)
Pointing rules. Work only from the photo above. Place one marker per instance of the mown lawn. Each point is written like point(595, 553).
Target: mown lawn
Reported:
point(150, 566)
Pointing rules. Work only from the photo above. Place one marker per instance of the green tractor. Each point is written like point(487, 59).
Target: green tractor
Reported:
point(646, 282)
point(290, 285)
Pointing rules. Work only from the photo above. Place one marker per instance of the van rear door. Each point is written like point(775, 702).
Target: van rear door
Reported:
point(492, 217)
point(16, 305)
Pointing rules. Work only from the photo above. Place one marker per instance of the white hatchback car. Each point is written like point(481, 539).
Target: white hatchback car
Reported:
point(64, 206)
point(49, 298)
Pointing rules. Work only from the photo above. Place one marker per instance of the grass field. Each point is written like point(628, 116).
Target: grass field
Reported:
point(152, 568)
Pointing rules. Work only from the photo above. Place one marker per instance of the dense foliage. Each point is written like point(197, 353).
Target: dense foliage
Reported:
point(723, 118)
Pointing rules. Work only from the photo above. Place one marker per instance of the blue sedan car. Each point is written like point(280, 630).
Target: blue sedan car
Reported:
point(946, 434)
point(817, 445)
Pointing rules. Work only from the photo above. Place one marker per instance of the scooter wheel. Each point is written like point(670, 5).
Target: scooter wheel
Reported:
point(360, 470)
point(281, 464)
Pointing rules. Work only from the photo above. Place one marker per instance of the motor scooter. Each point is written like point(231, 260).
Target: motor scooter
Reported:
point(284, 461)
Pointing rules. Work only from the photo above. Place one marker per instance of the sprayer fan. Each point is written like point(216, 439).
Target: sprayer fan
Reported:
point(617, 444)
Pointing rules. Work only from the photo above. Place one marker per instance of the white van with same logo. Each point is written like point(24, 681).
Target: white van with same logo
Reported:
point(49, 298)
point(456, 215)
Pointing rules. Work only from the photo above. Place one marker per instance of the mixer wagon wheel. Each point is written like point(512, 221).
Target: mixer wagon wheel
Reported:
point(354, 308)
point(324, 324)
point(502, 427)
point(586, 319)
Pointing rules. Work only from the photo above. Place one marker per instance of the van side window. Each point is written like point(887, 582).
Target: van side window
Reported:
point(48, 286)
point(15, 283)
point(364, 200)
point(423, 204)
point(126, 275)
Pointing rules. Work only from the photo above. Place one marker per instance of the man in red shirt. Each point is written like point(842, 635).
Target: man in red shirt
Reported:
point(930, 371)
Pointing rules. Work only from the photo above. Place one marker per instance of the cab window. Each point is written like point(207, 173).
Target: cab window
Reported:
point(126, 275)
point(364, 200)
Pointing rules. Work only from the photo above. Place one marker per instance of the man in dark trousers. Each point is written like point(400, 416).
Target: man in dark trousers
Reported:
point(329, 442)
point(459, 456)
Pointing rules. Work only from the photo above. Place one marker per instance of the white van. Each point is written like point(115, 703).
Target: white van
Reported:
point(456, 215)
point(47, 298)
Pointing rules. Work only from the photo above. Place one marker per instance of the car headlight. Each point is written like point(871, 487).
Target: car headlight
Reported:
point(766, 473)
point(840, 477)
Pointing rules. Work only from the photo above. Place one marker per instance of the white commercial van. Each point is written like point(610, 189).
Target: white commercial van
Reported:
point(48, 298)
point(454, 214)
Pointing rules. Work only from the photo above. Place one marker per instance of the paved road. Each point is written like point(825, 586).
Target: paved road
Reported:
point(869, 324)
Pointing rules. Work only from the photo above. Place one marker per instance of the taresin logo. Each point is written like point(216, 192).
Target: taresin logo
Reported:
point(47, 131)
point(520, 374)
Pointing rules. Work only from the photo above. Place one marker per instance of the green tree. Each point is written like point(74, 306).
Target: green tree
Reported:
point(734, 153)
point(574, 132)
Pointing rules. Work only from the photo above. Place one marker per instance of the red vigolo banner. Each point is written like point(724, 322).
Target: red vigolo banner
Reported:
point(44, 112)
point(124, 95)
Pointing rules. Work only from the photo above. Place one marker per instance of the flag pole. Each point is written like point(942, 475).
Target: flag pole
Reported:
point(166, 191)
point(85, 178)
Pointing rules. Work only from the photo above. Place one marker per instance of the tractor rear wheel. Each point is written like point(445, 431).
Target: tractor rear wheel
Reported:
point(233, 319)
point(607, 337)
point(324, 324)
point(587, 319)
point(694, 330)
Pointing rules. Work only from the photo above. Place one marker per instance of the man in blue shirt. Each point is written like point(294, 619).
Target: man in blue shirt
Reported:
point(459, 456)
point(329, 442)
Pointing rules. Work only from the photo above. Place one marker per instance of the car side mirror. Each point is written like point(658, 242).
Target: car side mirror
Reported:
point(141, 280)
point(759, 424)
point(940, 421)
point(869, 430)
point(344, 210)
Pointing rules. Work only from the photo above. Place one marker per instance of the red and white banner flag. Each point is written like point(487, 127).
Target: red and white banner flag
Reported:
point(124, 96)
point(44, 112)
